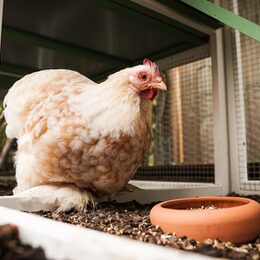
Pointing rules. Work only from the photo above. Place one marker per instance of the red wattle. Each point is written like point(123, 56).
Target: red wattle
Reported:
point(149, 94)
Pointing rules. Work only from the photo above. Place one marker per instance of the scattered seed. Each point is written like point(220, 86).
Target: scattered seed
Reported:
point(212, 207)
point(132, 220)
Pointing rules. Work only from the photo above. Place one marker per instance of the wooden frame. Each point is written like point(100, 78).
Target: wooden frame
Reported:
point(225, 16)
point(237, 149)
point(66, 241)
point(147, 191)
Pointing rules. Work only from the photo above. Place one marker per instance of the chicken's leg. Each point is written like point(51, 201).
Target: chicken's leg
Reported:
point(61, 197)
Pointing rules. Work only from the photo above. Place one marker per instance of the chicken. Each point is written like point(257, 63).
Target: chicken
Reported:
point(75, 135)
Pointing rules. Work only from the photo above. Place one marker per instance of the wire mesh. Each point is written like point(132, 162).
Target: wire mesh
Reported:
point(182, 146)
point(246, 71)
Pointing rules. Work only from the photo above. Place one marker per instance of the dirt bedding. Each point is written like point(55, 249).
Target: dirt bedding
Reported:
point(11, 247)
point(6, 186)
point(132, 220)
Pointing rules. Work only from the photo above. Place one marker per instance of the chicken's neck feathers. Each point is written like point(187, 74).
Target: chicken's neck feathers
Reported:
point(112, 108)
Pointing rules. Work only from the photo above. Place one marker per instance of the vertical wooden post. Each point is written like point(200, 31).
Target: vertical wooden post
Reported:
point(221, 155)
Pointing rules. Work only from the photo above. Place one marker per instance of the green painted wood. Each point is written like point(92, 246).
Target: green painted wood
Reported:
point(102, 76)
point(16, 69)
point(155, 20)
point(153, 56)
point(166, 52)
point(13, 73)
point(191, 12)
point(159, 17)
point(235, 21)
point(7, 81)
point(55, 45)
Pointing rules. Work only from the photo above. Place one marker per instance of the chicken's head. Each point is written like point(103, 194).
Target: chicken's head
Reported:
point(146, 80)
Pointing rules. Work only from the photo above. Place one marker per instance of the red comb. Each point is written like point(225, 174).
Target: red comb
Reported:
point(148, 62)
point(153, 65)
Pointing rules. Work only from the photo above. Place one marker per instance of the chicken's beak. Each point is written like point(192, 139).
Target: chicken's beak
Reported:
point(158, 85)
point(151, 90)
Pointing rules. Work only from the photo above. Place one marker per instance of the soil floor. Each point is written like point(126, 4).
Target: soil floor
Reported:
point(132, 220)
point(11, 247)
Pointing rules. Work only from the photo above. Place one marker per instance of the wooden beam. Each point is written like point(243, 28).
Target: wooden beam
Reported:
point(56, 45)
point(191, 12)
point(102, 76)
point(166, 52)
point(9, 73)
point(227, 17)
point(153, 56)
point(7, 81)
point(154, 19)
point(15, 69)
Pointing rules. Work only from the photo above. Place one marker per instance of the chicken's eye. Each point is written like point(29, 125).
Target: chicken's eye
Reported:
point(143, 76)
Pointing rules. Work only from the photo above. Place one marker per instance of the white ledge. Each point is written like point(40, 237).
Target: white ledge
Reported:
point(65, 241)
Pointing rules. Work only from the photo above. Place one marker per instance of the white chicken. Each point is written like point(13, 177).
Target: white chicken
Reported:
point(75, 134)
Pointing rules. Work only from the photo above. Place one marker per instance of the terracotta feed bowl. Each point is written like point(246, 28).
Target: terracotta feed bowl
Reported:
point(231, 219)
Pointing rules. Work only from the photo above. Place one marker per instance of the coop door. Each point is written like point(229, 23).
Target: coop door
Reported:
point(182, 149)
point(246, 95)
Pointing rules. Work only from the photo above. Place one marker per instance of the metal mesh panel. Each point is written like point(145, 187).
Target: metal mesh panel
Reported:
point(246, 70)
point(182, 146)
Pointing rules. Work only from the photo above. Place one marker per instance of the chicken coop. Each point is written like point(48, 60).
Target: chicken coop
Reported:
point(205, 127)
point(206, 137)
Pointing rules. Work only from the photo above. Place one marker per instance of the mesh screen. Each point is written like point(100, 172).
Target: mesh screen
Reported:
point(246, 69)
point(182, 145)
